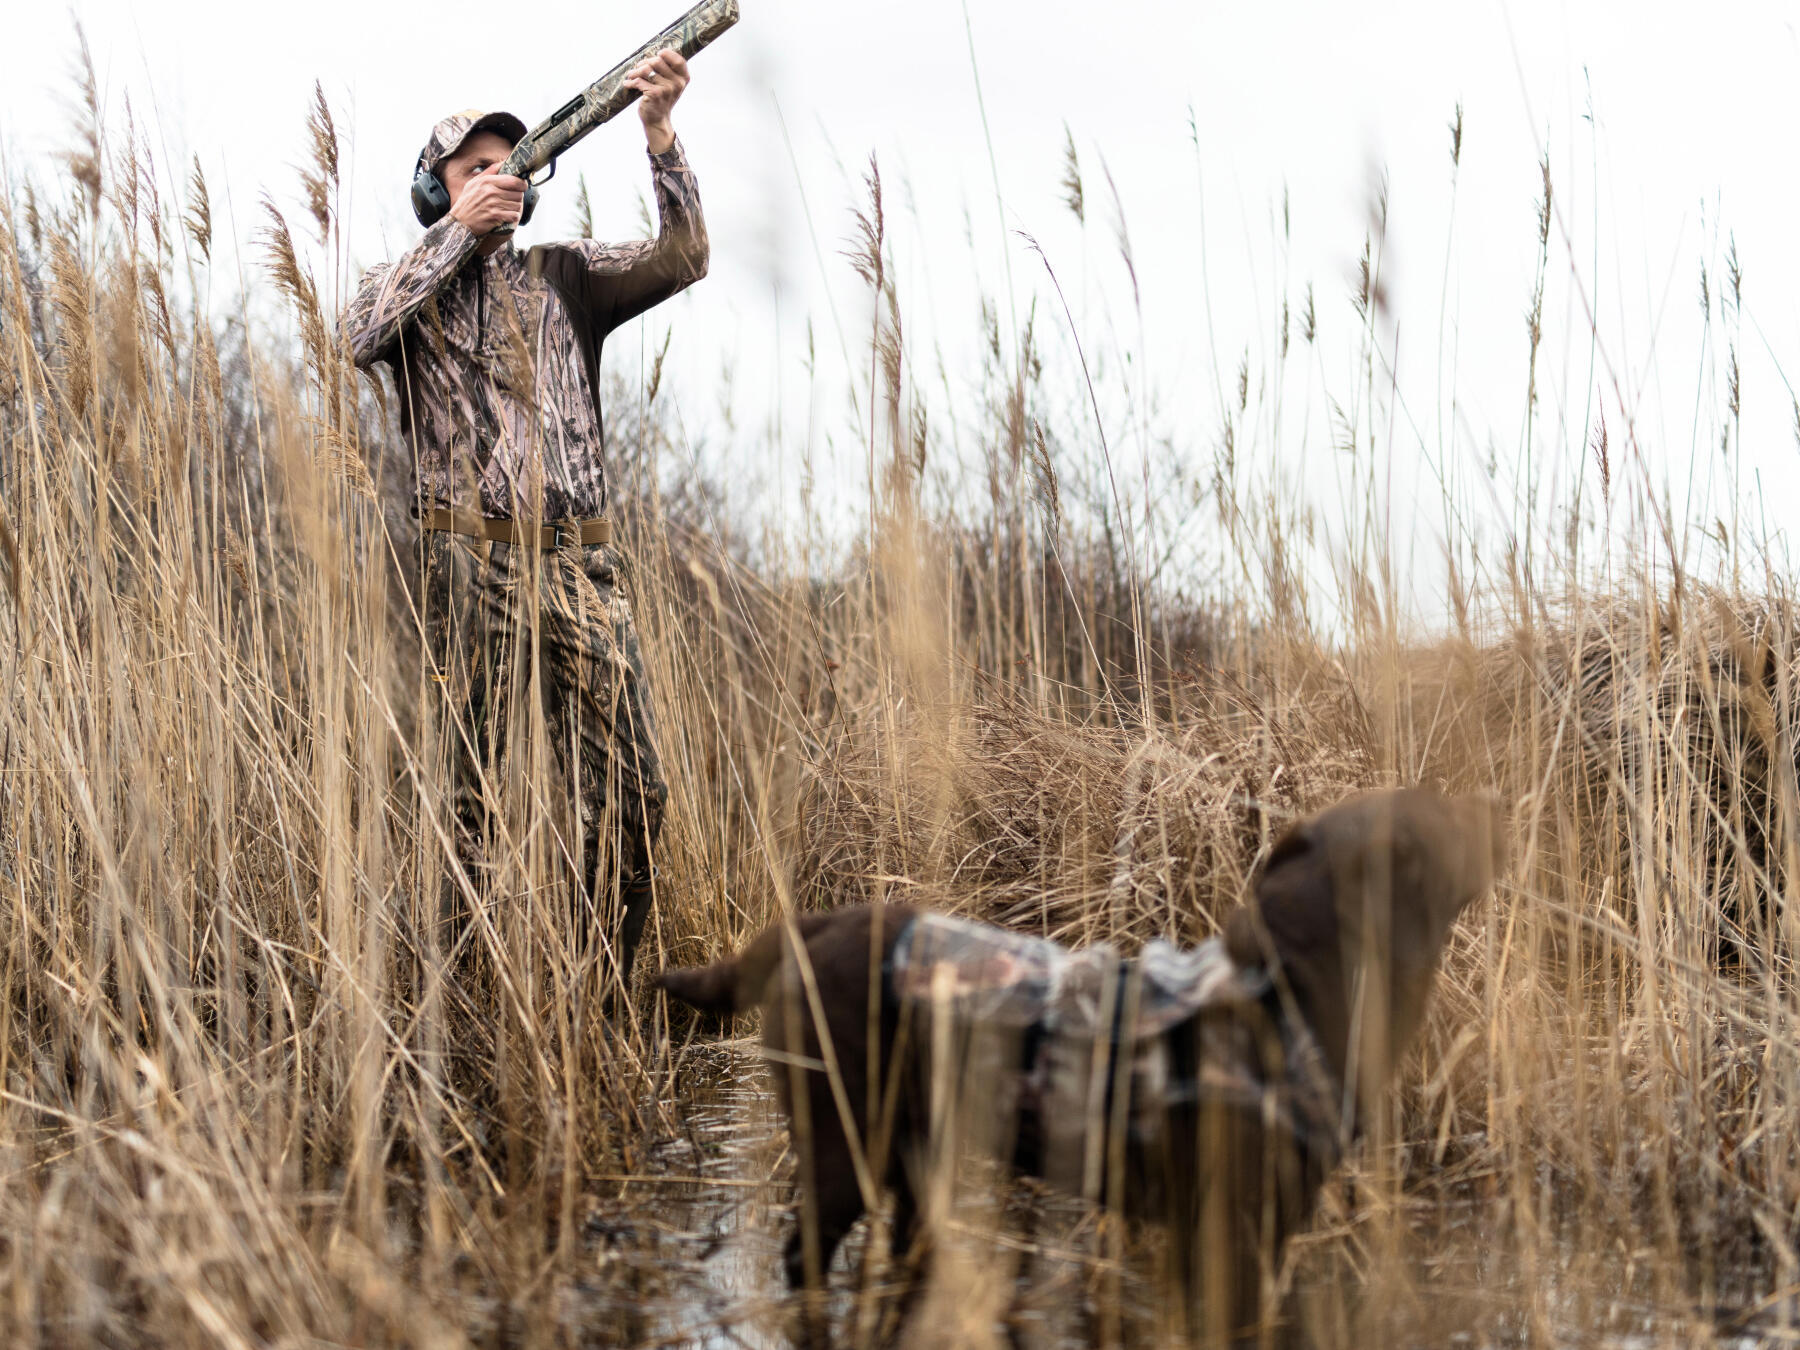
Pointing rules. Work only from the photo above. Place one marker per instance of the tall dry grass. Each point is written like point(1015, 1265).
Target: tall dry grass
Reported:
point(248, 1096)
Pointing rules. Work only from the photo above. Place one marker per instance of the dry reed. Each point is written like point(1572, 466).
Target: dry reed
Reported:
point(248, 1097)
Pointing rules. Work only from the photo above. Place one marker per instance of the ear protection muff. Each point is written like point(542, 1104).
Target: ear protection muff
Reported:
point(431, 199)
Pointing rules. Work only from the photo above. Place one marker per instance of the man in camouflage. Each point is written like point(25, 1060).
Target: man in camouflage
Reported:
point(495, 355)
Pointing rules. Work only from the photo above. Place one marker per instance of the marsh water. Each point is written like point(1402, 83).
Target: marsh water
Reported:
point(683, 1248)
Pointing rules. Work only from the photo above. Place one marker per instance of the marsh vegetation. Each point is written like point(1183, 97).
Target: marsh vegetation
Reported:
point(249, 1095)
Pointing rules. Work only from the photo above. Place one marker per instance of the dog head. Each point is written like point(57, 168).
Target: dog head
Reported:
point(1352, 911)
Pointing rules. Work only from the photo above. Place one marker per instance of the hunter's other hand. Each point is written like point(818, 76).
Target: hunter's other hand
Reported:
point(489, 200)
point(660, 81)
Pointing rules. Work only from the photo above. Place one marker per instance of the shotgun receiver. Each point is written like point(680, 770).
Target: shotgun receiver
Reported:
point(608, 96)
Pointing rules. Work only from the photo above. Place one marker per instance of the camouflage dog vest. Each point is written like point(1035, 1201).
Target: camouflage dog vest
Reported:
point(1168, 1028)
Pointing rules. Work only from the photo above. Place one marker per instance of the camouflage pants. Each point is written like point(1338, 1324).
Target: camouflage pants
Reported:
point(504, 625)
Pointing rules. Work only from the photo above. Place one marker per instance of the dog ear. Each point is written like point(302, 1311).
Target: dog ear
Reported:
point(1292, 845)
point(1290, 910)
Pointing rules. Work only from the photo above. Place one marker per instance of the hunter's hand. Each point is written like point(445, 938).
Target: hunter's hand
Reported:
point(660, 81)
point(490, 200)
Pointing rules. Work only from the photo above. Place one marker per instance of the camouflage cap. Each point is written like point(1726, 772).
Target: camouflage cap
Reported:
point(448, 135)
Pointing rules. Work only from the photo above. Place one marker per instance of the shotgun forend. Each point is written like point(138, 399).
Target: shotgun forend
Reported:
point(608, 96)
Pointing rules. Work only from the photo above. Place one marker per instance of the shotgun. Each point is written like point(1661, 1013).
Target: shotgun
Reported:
point(609, 96)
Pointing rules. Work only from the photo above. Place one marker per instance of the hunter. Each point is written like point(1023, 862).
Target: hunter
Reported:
point(495, 354)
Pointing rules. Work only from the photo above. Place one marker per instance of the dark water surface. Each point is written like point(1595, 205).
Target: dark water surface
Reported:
point(687, 1251)
point(682, 1248)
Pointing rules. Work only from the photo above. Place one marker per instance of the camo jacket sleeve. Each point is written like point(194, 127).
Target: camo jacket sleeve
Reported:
point(393, 293)
point(610, 284)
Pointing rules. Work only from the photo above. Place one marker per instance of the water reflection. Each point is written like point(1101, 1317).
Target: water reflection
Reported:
point(684, 1248)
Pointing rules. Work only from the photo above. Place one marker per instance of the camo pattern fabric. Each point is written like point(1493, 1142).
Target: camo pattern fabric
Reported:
point(608, 96)
point(497, 359)
point(1092, 1021)
point(480, 605)
point(448, 135)
point(996, 976)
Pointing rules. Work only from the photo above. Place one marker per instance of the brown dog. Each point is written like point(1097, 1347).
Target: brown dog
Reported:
point(1213, 1090)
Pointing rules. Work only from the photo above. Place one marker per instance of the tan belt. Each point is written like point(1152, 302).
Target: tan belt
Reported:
point(597, 530)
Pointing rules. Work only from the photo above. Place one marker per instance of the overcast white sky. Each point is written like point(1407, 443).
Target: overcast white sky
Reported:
point(1690, 140)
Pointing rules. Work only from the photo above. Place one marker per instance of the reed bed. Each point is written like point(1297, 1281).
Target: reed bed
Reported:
point(249, 1094)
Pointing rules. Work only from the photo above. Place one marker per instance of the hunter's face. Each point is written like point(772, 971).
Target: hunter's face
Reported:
point(473, 157)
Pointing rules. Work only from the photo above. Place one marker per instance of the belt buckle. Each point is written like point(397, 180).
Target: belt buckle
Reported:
point(559, 535)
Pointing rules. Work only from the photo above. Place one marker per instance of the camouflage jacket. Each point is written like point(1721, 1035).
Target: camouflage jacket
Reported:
point(1085, 1021)
point(497, 359)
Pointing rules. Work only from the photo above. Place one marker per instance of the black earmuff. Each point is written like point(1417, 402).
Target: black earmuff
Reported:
point(431, 199)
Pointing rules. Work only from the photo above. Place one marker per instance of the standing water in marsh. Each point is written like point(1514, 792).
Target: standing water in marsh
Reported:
point(682, 1247)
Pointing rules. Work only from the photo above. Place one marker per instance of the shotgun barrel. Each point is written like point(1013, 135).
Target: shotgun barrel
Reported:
point(609, 96)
